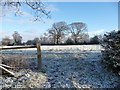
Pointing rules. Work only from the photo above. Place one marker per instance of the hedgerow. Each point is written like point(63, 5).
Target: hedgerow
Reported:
point(111, 52)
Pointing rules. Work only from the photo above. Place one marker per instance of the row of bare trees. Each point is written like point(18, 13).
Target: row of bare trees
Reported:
point(60, 32)
point(17, 39)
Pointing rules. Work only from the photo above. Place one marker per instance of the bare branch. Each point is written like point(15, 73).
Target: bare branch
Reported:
point(38, 8)
point(76, 29)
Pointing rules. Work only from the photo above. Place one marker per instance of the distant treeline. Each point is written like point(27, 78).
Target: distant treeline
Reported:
point(11, 42)
point(60, 33)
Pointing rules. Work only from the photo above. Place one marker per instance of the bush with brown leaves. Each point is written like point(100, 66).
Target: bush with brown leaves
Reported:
point(16, 61)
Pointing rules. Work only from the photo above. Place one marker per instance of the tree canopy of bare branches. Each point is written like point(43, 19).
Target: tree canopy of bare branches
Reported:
point(5, 41)
point(58, 31)
point(17, 38)
point(77, 29)
point(36, 6)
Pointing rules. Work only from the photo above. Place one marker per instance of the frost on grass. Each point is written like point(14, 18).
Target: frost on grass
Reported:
point(65, 67)
point(25, 79)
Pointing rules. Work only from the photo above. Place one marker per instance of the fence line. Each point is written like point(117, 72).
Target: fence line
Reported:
point(17, 47)
point(38, 46)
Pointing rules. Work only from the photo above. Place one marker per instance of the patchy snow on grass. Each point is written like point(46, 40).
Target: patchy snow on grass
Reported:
point(62, 47)
point(76, 66)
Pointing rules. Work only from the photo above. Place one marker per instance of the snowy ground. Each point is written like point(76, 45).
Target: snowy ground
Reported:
point(63, 67)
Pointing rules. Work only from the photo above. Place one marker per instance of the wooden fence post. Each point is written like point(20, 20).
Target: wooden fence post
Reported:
point(39, 65)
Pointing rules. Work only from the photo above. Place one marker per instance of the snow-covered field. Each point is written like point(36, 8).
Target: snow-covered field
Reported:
point(63, 47)
point(62, 67)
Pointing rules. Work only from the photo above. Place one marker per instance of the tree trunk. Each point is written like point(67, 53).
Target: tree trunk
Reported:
point(75, 40)
point(57, 40)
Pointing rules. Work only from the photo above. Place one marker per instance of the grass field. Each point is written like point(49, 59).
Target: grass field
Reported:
point(62, 67)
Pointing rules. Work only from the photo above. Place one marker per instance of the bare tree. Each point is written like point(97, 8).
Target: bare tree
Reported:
point(53, 34)
point(6, 41)
point(84, 38)
point(36, 6)
point(17, 38)
point(58, 31)
point(77, 29)
point(35, 40)
point(29, 42)
point(46, 39)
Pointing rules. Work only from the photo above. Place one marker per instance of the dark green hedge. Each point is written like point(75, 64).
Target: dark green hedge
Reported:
point(111, 52)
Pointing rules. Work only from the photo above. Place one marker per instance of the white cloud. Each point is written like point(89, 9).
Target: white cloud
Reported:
point(5, 34)
point(34, 29)
point(26, 18)
point(51, 8)
point(26, 35)
point(26, 14)
point(97, 32)
point(29, 34)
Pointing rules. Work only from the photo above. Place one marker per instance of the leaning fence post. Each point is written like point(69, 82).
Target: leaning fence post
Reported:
point(39, 65)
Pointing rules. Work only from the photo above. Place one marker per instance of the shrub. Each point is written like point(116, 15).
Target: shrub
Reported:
point(94, 40)
point(6, 41)
point(111, 52)
point(69, 41)
point(15, 61)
